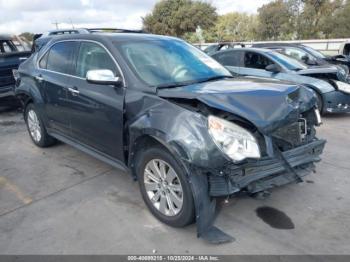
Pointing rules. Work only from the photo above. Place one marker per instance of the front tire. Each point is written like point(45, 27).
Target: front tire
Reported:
point(36, 128)
point(164, 187)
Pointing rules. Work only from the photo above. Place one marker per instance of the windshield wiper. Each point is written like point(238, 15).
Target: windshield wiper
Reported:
point(191, 82)
point(213, 78)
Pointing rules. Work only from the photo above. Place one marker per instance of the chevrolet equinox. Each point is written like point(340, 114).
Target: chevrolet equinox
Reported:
point(172, 117)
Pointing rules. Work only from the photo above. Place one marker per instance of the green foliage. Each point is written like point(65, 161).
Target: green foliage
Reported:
point(236, 27)
point(178, 17)
point(28, 36)
point(277, 20)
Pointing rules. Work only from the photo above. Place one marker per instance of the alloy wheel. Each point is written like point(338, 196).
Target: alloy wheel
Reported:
point(34, 125)
point(163, 187)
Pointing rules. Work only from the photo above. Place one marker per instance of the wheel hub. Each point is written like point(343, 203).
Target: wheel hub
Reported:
point(163, 187)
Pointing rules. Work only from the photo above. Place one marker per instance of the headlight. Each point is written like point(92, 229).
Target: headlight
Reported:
point(233, 140)
point(343, 86)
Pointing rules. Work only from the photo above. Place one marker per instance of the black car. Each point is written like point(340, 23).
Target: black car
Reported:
point(172, 117)
point(12, 52)
point(308, 55)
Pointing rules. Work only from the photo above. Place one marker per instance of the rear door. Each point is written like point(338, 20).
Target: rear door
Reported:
point(96, 111)
point(55, 67)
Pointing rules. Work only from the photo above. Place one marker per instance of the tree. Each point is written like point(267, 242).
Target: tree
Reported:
point(236, 26)
point(274, 21)
point(28, 36)
point(178, 17)
point(316, 17)
point(338, 24)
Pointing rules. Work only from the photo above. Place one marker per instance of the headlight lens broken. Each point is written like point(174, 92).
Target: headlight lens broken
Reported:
point(233, 140)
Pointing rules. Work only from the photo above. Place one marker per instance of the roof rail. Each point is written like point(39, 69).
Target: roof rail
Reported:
point(113, 30)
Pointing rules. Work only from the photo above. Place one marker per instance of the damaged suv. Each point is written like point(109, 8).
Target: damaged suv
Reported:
point(172, 117)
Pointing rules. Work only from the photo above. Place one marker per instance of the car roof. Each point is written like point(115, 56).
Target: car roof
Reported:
point(116, 37)
point(278, 44)
point(258, 50)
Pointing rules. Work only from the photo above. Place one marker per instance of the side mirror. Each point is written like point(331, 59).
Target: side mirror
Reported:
point(273, 68)
point(305, 59)
point(103, 77)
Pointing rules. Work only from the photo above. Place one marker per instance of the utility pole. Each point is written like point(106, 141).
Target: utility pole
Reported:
point(71, 22)
point(56, 24)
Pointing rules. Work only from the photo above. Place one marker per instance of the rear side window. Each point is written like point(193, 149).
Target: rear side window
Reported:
point(60, 57)
point(229, 58)
point(7, 47)
point(256, 60)
point(92, 56)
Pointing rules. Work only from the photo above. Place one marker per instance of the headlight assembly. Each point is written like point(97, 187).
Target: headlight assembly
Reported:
point(343, 86)
point(233, 140)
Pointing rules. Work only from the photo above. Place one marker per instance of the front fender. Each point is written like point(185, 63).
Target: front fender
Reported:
point(182, 131)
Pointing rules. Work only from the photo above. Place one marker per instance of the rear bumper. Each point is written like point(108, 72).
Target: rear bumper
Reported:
point(336, 102)
point(267, 172)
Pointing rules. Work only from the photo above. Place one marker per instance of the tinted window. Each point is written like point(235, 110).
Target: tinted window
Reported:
point(229, 58)
point(256, 60)
point(59, 58)
point(92, 56)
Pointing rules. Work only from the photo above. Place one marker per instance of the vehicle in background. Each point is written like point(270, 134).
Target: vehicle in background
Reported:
point(333, 94)
point(172, 117)
point(345, 48)
point(308, 55)
point(211, 49)
point(331, 47)
point(13, 51)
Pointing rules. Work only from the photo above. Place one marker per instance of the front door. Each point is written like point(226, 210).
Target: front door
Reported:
point(96, 111)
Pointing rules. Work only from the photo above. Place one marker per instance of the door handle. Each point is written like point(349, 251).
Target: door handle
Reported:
point(39, 78)
point(74, 91)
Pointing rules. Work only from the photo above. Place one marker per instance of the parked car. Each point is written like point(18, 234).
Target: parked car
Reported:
point(333, 95)
point(308, 55)
point(12, 52)
point(172, 117)
point(222, 46)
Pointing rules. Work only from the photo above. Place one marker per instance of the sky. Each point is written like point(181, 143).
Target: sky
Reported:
point(38, 16)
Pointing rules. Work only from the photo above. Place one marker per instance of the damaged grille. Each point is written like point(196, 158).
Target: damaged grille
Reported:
point(297, 133)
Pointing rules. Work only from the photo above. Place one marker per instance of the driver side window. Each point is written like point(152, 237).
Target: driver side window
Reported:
point(256, 60)
point(92, 56)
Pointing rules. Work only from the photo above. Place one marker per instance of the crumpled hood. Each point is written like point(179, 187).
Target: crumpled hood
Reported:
point(326, 71)
point(267, 104)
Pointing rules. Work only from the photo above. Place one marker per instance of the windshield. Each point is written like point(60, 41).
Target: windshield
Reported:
point(170, 62)
point(314, 52)
point(287, 62)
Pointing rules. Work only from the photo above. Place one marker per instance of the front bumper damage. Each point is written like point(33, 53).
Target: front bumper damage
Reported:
point(286, 167)
point(267, 172)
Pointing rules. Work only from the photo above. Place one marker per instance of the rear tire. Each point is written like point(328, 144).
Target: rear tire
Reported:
point(36, 127)
point(170, 199)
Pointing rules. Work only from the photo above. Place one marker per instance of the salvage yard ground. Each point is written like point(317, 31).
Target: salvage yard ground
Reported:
point(61, 201)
